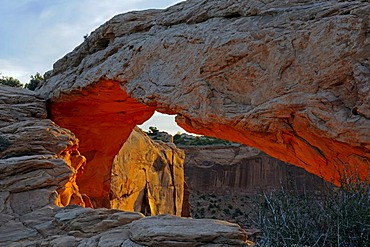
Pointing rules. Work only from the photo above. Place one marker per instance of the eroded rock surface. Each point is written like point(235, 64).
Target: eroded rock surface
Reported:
point(148, 176)
point(38, 159)
point(288, 77)
point(241, 170)
point(38, 165)
point(159, 230)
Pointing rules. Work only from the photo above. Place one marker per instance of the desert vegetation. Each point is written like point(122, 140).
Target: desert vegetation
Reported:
point(183, 139)
point(34, 82)
point(337, 216)
point(189, 140)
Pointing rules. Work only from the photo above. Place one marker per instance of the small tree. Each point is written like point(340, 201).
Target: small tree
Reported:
point(10, 81)
point(34, 82)
point(153, 130)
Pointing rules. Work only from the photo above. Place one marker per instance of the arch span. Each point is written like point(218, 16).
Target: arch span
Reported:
point(291, 79)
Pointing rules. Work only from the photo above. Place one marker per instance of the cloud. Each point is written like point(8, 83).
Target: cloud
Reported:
point(8, 68)
point(36, 33)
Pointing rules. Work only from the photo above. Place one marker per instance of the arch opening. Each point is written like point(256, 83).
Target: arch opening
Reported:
point(103, 115)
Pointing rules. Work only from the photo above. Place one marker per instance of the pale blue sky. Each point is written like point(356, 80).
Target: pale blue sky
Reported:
point(36, 33)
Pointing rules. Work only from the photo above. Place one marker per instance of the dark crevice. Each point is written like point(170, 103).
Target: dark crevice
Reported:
point(101, 44)
point(145, 206)
point(355, 111)
point(173, 183)
point(141, 28)
point(233, 15)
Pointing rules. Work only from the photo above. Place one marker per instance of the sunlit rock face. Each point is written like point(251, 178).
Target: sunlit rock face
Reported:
point(102, 119)
point(147, 177)
point(38, 159)
point(288, 77)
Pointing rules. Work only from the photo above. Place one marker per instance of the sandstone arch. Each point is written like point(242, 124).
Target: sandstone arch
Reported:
point(291, 79)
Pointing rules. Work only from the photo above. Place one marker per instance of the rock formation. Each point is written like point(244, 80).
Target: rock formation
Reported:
point(147, 177)
point(39, 166)
point(38, 159)
point(290, 78)
point(241, 170)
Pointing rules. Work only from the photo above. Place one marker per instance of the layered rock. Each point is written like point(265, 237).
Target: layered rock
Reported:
point(290, 78)
point(38, 159)
point(147, 176)
point(241, 170)
point(38, 165)
point(189, 232)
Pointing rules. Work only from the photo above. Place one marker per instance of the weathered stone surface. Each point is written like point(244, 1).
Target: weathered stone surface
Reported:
point(166, 230)
point(240, 170)
point(290, 78)
point(37, 156)
point(147, 176)
point(38, 165)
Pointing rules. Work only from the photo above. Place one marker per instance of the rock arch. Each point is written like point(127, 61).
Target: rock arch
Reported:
point(291, 79)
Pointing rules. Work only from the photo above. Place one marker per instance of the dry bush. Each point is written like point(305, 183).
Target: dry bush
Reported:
point(336, 217)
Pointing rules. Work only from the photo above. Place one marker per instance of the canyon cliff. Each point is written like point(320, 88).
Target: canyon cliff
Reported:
point(289, 78)
point(241, 170)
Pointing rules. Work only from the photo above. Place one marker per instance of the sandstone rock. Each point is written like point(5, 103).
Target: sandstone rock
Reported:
point(290, 78)
point(97, 119)
point(241, 170)
point(38, 165)
point(86, 222)
point(147, 176)
point(165, 230)
point(37, 156)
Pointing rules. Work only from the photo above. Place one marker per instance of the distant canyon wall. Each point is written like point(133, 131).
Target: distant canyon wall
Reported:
point(237, 170)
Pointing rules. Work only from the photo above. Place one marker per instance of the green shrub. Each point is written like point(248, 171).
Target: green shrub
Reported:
point(10, 81)
point(226, 211)
point(237, 212)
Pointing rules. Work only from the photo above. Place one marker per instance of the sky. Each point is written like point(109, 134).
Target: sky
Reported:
point(34, 34)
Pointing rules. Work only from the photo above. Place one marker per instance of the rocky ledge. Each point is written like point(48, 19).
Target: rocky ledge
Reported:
point(39, 162)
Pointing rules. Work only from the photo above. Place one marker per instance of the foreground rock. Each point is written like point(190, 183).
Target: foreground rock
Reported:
point(290, 78)
point(148, 177)
point(39, 165)
point(161, 231)
point(38, 159)
point(76, 226)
